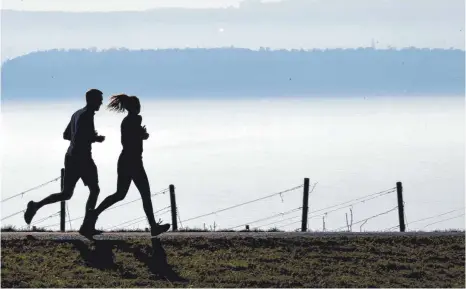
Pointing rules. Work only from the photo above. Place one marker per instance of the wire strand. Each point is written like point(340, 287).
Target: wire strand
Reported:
point(365, 220)
point(245, 203)
point(40, 220)
point(31, 189)
point(56, 224)
point(443, 214)
point(359, 200)
point(12, 215)
point(69, 217)
point(46, 218)
point(428, 218)
point(143, 219)
point(314, 217)
point(267, 218)
point(291, 218)
point(138, 218)
point(179, 217)
point(127, 203)
point(444, 220)
point(404, 214)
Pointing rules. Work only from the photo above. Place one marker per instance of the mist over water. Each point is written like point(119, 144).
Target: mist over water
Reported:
point(219, 153)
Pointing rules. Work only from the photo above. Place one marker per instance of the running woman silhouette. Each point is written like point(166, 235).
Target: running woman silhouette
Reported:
point(130, 165)
point(78, 159)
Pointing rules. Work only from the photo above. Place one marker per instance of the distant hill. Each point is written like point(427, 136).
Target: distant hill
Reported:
point(234, 72)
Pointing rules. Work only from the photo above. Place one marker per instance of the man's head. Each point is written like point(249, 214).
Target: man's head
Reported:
point(94, 99)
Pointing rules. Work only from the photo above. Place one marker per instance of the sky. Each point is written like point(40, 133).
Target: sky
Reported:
point(115, 5)
point(251, 24)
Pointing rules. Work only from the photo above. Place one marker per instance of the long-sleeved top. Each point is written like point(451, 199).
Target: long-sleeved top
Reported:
point(132, 135)
point(81, 132)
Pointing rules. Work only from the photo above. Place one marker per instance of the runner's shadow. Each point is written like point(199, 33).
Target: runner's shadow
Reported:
point(156, 261)
point(101, 256)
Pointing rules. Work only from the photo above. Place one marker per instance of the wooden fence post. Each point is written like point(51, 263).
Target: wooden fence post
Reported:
point(401, 211)
point(305, 205)
point(173, 207)
point(62, 203)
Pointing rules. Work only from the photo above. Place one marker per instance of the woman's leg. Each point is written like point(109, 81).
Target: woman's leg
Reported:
point(123, 183)
point(142, 183)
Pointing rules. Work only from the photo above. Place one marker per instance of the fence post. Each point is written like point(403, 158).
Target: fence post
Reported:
point(173, 207)
point(401, 211)
point(305, 205)
point(62, 203)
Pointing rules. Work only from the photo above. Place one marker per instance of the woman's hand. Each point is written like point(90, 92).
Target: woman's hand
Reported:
point(145, 135)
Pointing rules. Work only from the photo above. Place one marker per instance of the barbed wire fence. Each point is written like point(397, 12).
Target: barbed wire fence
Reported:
point(323, 212)
point(21, 194)
point(275, 221)
point(109, 209)
point(30, 190)
point(429, 218)
point(35, 224)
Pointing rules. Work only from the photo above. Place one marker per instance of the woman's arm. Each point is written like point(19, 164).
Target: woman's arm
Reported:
point(143, 130)
point(134, 128)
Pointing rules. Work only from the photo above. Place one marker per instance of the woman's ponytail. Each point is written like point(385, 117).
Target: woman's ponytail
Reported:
point(118, 102)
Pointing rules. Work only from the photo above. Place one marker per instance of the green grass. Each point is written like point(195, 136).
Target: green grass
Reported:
point(403, 261)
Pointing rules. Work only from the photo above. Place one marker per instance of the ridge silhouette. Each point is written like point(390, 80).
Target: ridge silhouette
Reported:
point(233, 72)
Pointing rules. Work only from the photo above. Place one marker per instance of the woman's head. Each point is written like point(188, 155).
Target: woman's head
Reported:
point(121, 102)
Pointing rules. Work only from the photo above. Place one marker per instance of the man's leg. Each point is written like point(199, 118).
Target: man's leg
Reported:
point(123, 183)
point(70, 179)
point(91, 180)
point(88, 172)
point(94, 191)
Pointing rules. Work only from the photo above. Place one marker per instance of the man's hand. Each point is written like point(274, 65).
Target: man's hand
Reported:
point(99, 138)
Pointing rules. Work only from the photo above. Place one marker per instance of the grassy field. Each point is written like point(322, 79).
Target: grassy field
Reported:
point(403, 261)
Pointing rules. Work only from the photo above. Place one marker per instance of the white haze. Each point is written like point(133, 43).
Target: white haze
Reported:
point(291, 24)
point(221, 153)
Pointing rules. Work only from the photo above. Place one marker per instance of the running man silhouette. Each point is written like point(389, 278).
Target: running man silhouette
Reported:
point(78, 159)
point(130, 165)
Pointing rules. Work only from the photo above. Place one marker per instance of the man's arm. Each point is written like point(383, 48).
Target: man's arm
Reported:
point(85, 129)
point(92, 132)
point(67, 132)
point(94, 135)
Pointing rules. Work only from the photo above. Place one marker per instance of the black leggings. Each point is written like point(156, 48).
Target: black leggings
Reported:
point(131, 168)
